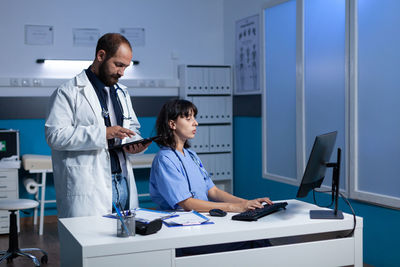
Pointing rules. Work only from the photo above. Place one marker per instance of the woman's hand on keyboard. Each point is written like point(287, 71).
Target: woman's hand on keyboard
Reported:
point(258, 203)
point(249, 204)
point(264, 200)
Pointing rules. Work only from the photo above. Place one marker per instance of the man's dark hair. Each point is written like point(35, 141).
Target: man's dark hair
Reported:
point(110, 42)
point(171, 111)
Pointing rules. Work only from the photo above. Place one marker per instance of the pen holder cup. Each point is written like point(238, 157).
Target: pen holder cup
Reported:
point(129, 222)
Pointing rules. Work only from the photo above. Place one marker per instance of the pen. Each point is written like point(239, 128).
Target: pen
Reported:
point(121, 209)
point(169, 216)
point(121, 219)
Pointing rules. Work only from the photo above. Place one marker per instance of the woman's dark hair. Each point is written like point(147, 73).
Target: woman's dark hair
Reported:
point(171, 111)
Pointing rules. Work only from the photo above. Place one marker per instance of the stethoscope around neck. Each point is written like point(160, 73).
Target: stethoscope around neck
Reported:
point(198, 163)
point(118, 90)
point(119, 93)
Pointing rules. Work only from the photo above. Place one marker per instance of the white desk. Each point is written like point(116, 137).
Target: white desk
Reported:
point(92, 241)
point(42, 165)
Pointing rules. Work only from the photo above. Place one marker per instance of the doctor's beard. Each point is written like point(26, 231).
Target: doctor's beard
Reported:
point(107, 78)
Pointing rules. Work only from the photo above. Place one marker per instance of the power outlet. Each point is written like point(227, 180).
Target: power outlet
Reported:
point(14, 82)
point(37, 82)
point(142, 83)
point(152, 83)
point(161, 83)
point(25, 82)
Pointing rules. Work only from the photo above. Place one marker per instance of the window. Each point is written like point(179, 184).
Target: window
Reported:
point(333, 65)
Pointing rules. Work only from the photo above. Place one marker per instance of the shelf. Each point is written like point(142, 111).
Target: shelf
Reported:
point(209, 88)
point(209, 94)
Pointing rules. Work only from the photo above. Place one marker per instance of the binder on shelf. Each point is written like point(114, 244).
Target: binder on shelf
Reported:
point(201, 141)
point(223, 166)
point(206, 80)
point(221, 138)
point(209, 163)
point(211, 75)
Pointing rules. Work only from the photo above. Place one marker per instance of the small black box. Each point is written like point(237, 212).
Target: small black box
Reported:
point(148, 228)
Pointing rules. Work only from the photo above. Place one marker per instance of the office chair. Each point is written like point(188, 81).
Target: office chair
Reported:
point(14, 251)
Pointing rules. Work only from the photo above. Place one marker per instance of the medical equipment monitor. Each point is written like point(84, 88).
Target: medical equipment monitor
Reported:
point(315, 173)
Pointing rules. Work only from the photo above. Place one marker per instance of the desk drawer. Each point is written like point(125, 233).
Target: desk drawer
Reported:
point(8, 180)
point(8, 174)
point(4, 216)
point(8, 185)
point(8, 194)
point(153, 258)
point(308, 254)
point(4, 227)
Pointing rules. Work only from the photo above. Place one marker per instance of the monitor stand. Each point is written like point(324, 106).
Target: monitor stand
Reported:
point(326, 214)
point(331, 214)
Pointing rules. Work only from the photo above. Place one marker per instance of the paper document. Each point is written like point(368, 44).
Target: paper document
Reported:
point(186, 218)
point(146, 215)
point(151, 215)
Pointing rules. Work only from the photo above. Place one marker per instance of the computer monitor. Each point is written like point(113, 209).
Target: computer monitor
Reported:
point(315, 173)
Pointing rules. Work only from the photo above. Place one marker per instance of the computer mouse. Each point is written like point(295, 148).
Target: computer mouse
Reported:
point(217, 212)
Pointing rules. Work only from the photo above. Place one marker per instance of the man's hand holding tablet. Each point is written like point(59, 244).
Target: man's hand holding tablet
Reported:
point(136, 146)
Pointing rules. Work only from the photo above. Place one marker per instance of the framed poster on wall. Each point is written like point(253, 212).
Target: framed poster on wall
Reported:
point(247, 54)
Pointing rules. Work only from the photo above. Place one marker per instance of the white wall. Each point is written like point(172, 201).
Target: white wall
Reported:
point(192, 29)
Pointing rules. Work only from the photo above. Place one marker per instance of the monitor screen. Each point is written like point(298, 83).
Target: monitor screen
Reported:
point(316, 166)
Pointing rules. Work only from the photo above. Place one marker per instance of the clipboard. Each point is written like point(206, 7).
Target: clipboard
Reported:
point(143, 141)
point(194, 218)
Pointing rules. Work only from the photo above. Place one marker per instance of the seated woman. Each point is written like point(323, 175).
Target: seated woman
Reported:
point(178, 179)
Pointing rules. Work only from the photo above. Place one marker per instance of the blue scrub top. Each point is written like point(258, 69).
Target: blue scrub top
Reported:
point(168, 182)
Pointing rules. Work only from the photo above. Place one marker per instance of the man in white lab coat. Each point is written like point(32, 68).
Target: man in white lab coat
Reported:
point(89, 114)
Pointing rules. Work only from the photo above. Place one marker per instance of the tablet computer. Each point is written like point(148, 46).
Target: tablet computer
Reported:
point(143, 141)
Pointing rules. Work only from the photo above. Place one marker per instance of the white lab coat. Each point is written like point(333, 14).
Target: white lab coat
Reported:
point(76, 133)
